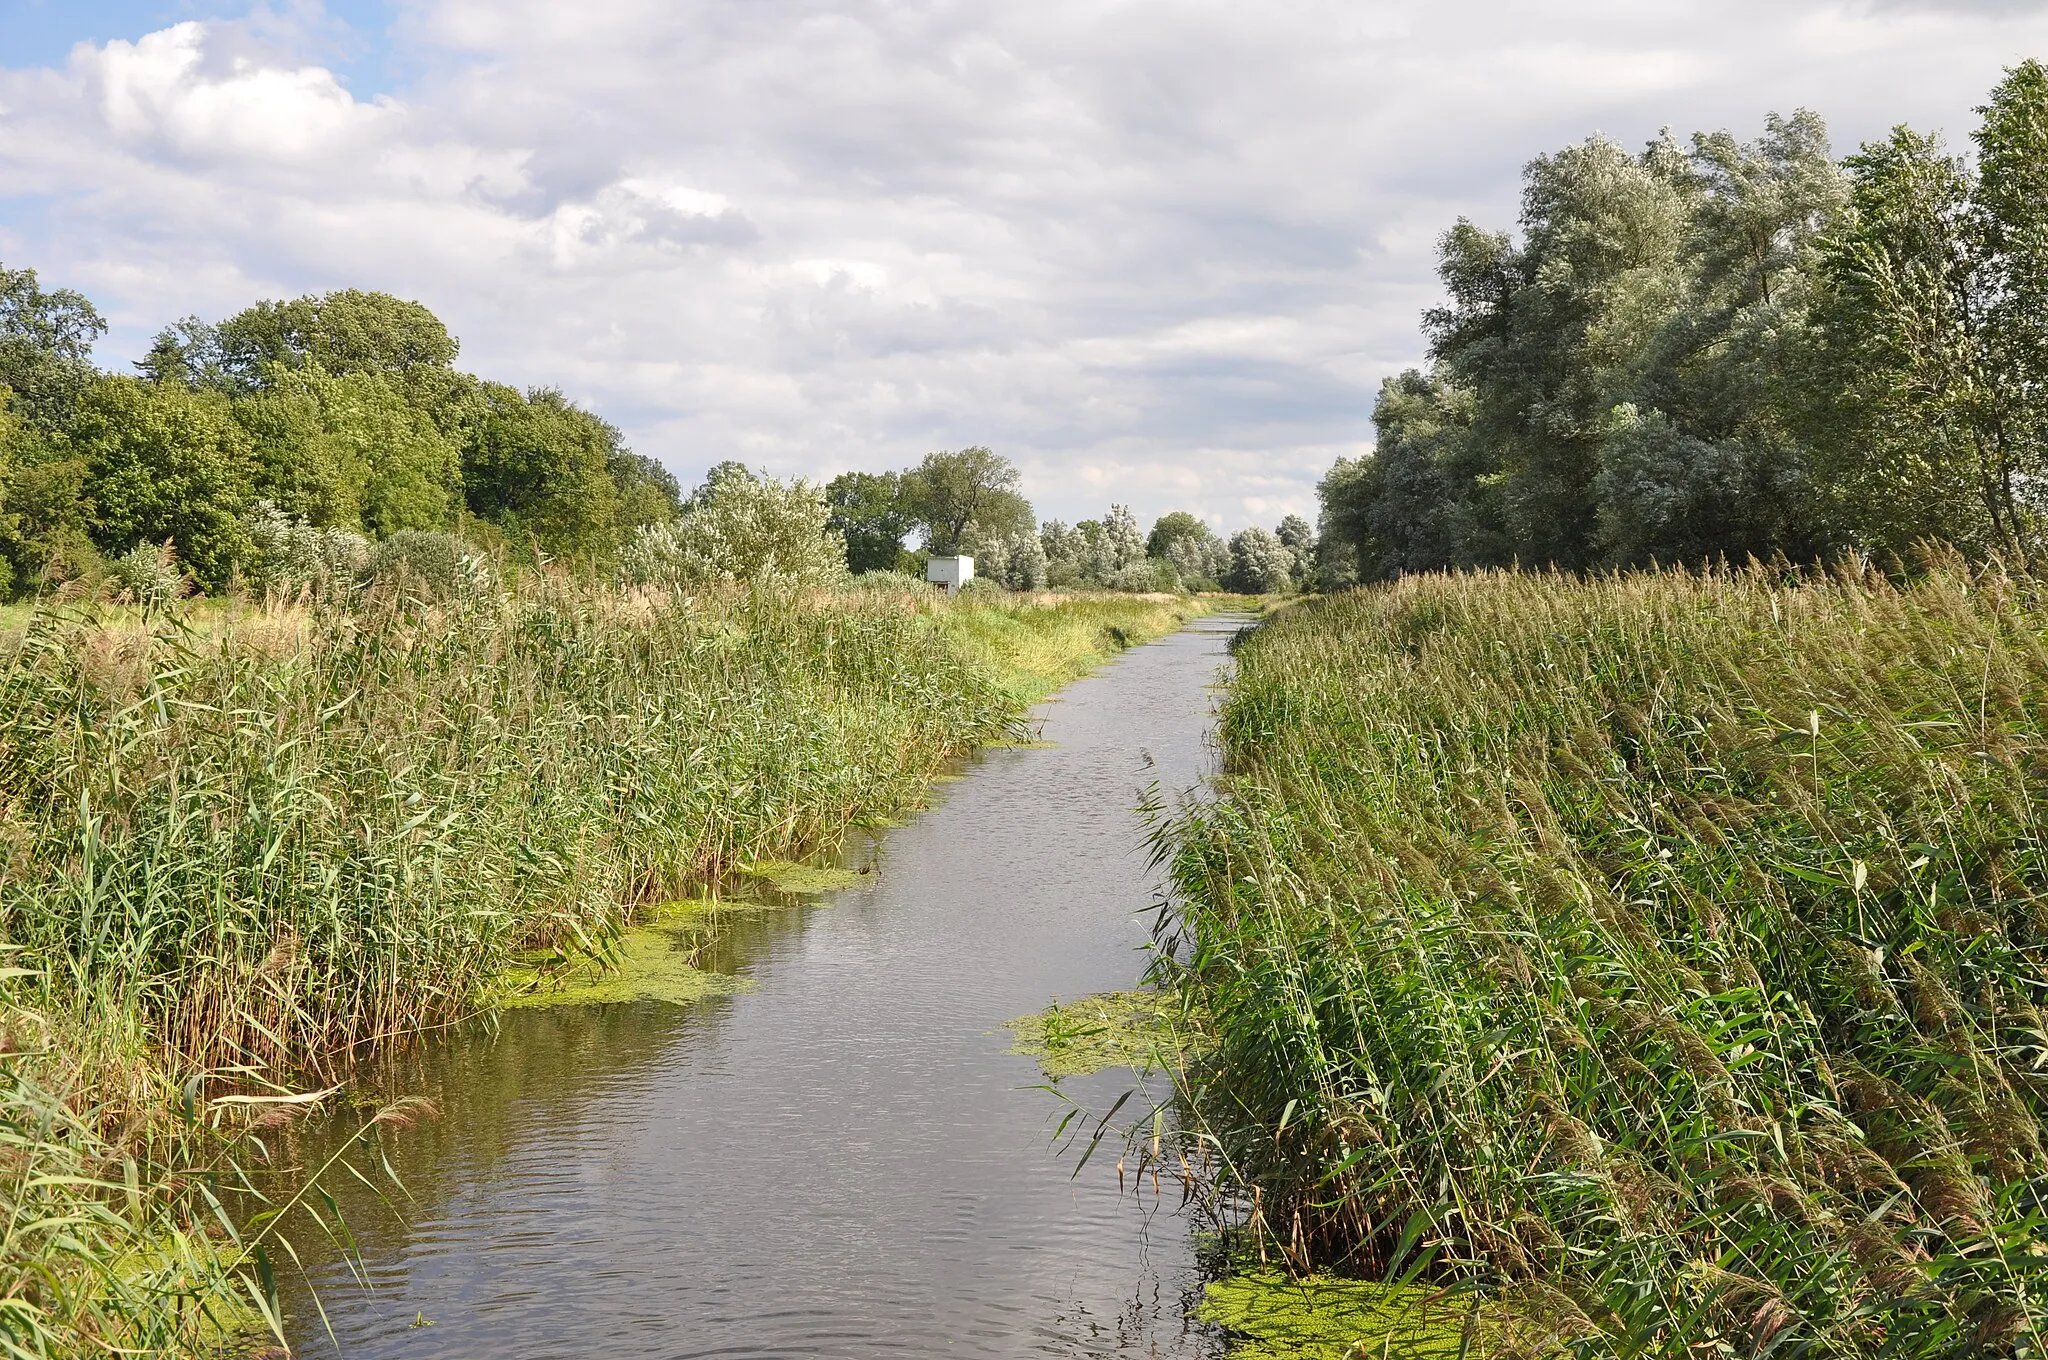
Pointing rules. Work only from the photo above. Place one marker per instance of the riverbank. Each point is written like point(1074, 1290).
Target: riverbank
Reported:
point(237, 853)
point(1661, 954)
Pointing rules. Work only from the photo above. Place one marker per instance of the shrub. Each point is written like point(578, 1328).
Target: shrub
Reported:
point(428, 563)
point(147, 575)
point(288, 555)
point(740, 527)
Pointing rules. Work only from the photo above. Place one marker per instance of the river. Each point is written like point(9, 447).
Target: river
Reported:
point(845, 1160)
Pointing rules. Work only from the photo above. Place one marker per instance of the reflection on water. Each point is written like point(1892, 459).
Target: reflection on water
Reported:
point(844, 1161)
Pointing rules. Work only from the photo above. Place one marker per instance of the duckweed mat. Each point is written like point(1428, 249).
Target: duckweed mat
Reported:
point(1139, 1030)
point(1273, 1315)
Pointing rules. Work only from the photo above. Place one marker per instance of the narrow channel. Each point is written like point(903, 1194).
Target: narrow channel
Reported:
point(845, 1160)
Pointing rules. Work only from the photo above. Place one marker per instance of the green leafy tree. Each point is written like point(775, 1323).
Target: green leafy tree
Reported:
point(1200, 560)
point(648, 493)
point(1551, 334)
point(536, 464)
point(1260, 564)
point(1938, 396)
point(46, 340)
point(166, 464)
point(869, 512)
point(1169, 529)
point(947, 492)
point(349, 451)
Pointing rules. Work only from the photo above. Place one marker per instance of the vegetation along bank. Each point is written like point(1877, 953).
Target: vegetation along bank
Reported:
point(1663, 954)
point(240, 843)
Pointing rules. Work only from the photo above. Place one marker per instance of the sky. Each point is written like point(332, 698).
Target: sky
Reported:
point(1160, 254)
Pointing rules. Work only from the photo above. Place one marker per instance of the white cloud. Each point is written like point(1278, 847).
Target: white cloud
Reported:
point(159, 89)
point(1157, 252)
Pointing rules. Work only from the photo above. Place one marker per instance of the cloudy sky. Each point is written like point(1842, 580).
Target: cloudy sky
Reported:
point(1159, 253)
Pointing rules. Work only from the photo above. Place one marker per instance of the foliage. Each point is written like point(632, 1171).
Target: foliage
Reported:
point(165, 465)
point(1016, 563)
point(147, 575)
point(950, 492)
point(425, 563)
point(46, 341)
point(742, 527)
point(1200, 558)
point(1666, 946)
point(869, 513)
point(537, 466)
point(289, 556)
point(1937, 307)
point(1726, 351)
point(1259, 563)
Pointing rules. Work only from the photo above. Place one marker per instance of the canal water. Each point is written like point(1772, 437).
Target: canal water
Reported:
point(845, 1160)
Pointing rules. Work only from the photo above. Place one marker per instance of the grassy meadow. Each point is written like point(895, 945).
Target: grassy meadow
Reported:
point(1662, 955)
point(240, 844)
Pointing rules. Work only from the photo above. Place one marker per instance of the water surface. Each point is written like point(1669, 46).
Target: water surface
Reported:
point(846, 1160)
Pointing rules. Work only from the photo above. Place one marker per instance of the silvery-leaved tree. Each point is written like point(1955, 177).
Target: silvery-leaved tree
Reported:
point(739, 526)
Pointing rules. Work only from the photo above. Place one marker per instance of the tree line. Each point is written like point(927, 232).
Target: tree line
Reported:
point(1722, 349)
point(300, 443)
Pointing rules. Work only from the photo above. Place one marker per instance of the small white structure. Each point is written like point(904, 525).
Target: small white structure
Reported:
point(950, 572)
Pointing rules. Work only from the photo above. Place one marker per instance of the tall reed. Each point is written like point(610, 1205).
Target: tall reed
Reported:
point(1669, 951)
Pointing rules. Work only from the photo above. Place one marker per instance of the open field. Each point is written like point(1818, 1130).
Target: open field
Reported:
point(1665, 954)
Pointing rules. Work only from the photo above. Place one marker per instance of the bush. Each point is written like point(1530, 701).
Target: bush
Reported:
point(740, 527)
point(430, 564)
point(981, 588)
point(893, 581)
point(147, 575)
point(289, 556)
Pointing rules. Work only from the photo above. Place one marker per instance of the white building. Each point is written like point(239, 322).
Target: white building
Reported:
point(950, 572)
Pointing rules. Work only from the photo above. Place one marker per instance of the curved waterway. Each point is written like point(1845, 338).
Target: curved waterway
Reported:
point(845, 1160)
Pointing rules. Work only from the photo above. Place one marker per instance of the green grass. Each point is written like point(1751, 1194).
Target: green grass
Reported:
point(240, 845)
point(1666, 952)
point(1034, 645)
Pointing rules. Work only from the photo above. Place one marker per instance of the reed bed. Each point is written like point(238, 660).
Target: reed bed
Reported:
point(1665, 954)
point(235, 852)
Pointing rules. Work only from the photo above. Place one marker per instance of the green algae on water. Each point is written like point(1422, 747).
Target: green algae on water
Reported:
point(650, 964)
point(1139, 1030)
point(805, 880)
point(1323, 1318)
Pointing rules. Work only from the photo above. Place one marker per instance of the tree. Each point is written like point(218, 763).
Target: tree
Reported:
point(1938, 400)
point(1299, 539)
point(1668, 497)
point(1551, 334)
point(46, 341)
point(349, 331)
point(1123, 543)
point(536, 465)
point(166, 464)
point(342, 333)
point(647, 492)
point(947, 492)
point(347, 451)
point(739, 526)
point(1171, 528)
point(1260, 563)
point(1200, 559)
point(868, 511)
